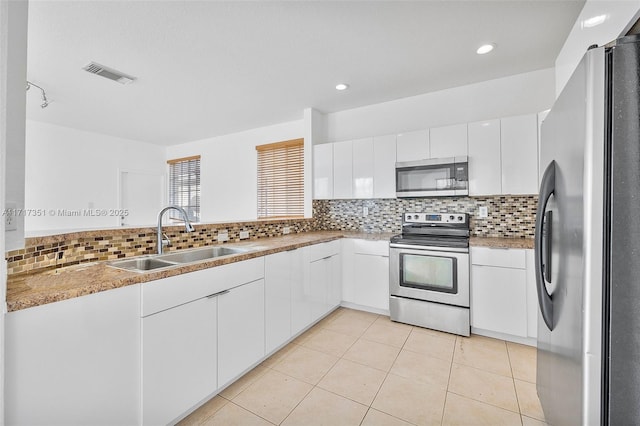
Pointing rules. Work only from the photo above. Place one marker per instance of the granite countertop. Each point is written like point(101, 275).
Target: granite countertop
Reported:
point(493, 242)
point(53, 285)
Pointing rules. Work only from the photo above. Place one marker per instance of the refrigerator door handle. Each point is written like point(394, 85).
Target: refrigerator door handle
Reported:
point(543, 244)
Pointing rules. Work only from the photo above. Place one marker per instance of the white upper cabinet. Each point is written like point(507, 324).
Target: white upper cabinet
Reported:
point(412, 146)
point(484, 158)
point(363, 168)
point(541, 116)
point(343, 170)
point(448, 141)
point(384, 166)
point(519, 143)
point(323, 171)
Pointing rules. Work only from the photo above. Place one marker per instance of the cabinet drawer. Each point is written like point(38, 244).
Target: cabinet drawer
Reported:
point(504, 258)
point(173, 291)
point(322, 250)
point(376, 248)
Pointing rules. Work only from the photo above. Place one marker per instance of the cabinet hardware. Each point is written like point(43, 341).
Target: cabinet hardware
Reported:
point(220, 293)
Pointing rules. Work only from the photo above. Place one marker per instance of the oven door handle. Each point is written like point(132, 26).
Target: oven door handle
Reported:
point(428, 248)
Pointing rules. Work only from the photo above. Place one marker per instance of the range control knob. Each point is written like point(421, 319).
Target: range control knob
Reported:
point(416, 217)
point(451, 217)
point(460, 218)
point(408, 217)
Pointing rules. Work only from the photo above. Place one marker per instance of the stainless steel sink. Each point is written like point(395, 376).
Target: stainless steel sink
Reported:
point(200, 254)
point(141, 265)
point(151, 263)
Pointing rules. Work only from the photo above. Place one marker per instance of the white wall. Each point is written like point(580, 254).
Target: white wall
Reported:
point(228, 169)
point(620, 15)
point(13, 67)
point(513, 95)
point(74, 170)
point(16, 68)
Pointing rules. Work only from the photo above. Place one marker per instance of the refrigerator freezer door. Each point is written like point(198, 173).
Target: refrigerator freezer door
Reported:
point(568, 137)
point(622, 330)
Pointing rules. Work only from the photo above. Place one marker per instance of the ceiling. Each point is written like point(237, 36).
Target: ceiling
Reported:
point(208, 68)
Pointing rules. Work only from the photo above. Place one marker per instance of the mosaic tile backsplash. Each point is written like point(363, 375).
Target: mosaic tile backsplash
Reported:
point(509, 216)
point(91, 246)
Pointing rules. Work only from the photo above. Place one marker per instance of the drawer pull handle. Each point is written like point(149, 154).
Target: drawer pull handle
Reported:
point(220, 293)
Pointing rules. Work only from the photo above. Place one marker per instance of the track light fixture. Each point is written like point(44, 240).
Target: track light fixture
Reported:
point(45, 101)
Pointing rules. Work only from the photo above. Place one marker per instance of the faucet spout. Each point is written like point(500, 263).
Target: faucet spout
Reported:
point(187, 224)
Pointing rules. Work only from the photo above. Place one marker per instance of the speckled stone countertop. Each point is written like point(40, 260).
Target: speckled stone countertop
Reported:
point(515, 243)
point(53, 285)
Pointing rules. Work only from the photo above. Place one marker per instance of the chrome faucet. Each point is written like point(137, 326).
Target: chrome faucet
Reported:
point(187, 225)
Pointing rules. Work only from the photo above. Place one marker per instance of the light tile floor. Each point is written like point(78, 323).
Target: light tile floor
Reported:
point(358, 368)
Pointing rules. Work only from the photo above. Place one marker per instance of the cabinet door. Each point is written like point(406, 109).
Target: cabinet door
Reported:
point(519, 147)
point(334, 292)
point(240, 330)
point(499, 300)
point(532, 296)
point(179, 350)
point(348, 270)
point(277, 299)
point(384, 166)
point(343, 170)
point(323, 171)
point(372, 280)
point(300, 298)
point(363, 168)
point(412, 146)
point(541, 117)
point(76, 361)
point(448, 141)
point(484, 158)
point(318, 287)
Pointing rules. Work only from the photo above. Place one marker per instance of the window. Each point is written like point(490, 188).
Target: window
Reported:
point(281, 179)
point(184, 186)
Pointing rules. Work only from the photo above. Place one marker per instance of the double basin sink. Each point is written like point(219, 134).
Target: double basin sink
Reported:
point(169, 260)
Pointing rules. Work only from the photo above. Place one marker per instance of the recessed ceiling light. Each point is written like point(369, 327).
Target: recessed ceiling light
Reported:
point(485, 48)
point(594, 21)
point(342, 86)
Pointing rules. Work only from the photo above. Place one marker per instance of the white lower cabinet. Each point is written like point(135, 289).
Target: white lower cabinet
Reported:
point(179, 358)
point(240, 330)
point(532, 296)
point(322, 266)
point(501, 297)
point(75, 362)
point(187, 324)
point(150, 353)
point(366, 274)
point(278, 289)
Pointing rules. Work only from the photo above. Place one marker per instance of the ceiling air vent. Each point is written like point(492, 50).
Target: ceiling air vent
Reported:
point(110, 73)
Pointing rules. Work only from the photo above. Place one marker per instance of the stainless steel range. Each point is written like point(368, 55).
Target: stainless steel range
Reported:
point(429, 272)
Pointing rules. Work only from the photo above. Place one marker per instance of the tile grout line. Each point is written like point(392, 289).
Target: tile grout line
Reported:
point(446, 393)
point(334, 364)
point(513, 379)
point(385, 379)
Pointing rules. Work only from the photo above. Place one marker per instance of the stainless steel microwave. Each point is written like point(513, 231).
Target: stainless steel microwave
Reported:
point(437, 177)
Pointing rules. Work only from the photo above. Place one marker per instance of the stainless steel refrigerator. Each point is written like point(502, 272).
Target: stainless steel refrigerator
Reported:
point(588, 243)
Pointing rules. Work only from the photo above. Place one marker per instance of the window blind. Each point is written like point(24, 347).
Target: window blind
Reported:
point(281, 179)
point(184, 186)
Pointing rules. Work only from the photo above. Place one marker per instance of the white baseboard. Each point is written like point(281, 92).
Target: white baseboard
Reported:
point(529, 341)
point(364, 308)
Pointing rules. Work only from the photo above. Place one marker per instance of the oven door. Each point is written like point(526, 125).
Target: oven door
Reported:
point(433, 274)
